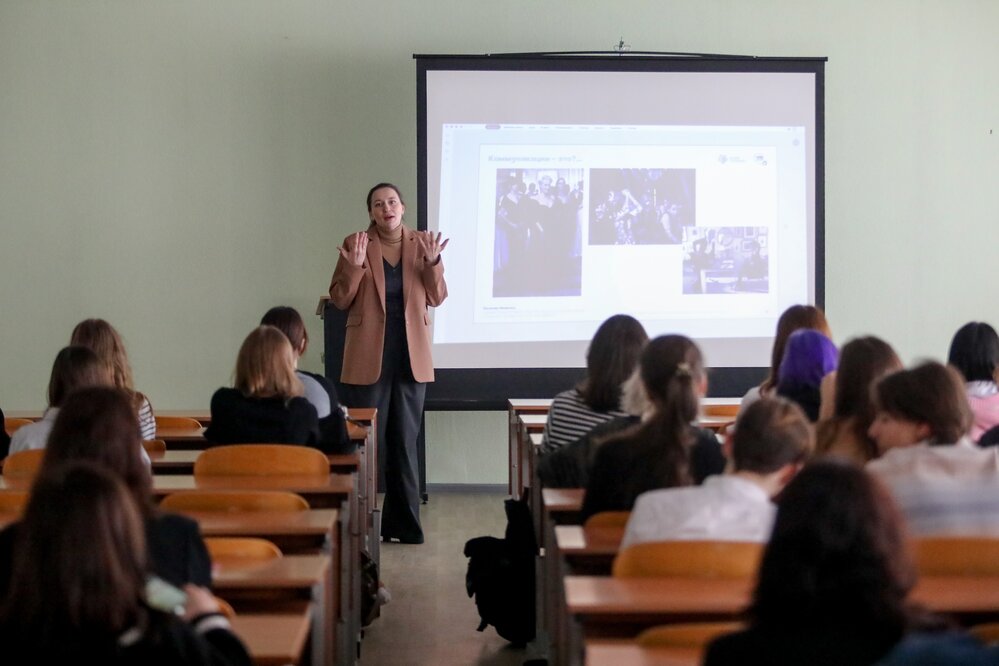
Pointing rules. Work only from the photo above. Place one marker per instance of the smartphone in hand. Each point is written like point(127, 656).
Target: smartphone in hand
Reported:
point(163, 596)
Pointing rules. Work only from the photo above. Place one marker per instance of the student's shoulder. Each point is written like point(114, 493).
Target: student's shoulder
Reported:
point(570, 398)
point(226, 395)
point(301, 409)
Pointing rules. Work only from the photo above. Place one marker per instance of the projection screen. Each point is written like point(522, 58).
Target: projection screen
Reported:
point(684, 191)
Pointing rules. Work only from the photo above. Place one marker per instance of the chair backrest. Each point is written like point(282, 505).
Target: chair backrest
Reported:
point(23, 464)
point(11, 425)
point(607, 519)
point(234, 501)
point(686, 635)
point(225, 608)
point(177, 423)
point(689, 559)
point(261, 460)
point(154, 447)
point(237, 550)
point(956, 556)
point(13, 501)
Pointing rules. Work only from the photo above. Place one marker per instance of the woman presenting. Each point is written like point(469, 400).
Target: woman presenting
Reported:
point(386, 277)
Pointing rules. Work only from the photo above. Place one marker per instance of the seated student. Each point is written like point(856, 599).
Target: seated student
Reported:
point(569, 466)
point(610, 360)
point(793, 319)
point(99, 425)
point(74, 368)
point(771, 442)
point(101, 336)
point(318, 390)
point(974, 352)
point(665, 449)
point(266, 404)
point(862, 362)
point(808, 358)
point(4, 439)
point(78, 584)
point(834, 577)
point(943, 482)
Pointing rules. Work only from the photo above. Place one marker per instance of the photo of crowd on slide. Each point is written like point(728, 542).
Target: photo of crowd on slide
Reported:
point(538, 231)
point(726, 260)
point(640, 206)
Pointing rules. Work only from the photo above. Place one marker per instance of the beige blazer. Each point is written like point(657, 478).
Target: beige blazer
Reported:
point(361, 291)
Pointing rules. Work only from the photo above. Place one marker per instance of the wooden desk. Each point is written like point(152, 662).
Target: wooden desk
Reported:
point(590, 551)
point(183, 438)
point(274, 639)
point(282, 584)
point(182, 462)
point(516, 407)
point(335, 491)
point(300, 532)
point(619, 607)
point(321, 492)
point(629, 653)
point(202, 416)
point(563, 504)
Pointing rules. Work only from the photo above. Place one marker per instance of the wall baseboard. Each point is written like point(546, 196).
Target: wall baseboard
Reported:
point(474, 488)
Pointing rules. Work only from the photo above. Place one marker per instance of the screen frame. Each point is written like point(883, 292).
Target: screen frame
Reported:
point(464, 389)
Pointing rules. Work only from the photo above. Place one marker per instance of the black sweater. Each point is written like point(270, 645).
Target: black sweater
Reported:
point(237, 419)
point(163, 641)
point(621, 470)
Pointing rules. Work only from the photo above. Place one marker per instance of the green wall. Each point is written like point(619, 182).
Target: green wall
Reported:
point(177, 167)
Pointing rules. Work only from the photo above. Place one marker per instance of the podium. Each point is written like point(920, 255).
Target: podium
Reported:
point(334, 337)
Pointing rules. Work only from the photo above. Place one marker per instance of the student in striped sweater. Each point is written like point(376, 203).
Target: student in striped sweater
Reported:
point(610, 360)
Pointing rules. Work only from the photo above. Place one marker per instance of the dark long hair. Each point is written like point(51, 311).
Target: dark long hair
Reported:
point(794, 318)
point(287, 320)
point(672, 370)
point(930, 393)
point(837, 557)
point(974, 351)
point(99, 425)
point(75, 367)
point(78, 567)
point(610, 360)
point(862, 362)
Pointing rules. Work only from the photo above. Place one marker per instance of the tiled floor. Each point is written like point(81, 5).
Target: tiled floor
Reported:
point(431, 619)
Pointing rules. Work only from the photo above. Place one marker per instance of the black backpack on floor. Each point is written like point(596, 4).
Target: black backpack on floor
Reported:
point(501, 576)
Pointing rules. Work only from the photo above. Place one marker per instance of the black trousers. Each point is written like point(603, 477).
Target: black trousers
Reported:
point(399, 400)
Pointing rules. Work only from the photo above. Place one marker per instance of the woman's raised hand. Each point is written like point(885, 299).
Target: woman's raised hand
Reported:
point(431, 246)
point(355, 248)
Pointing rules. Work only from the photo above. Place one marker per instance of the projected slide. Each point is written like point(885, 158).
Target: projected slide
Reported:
point(680, 226)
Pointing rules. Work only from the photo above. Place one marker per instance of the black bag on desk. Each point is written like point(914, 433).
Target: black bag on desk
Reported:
point(501, 576)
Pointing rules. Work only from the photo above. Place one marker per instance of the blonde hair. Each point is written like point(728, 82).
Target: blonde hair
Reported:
point(265, 367)
point(103, 339)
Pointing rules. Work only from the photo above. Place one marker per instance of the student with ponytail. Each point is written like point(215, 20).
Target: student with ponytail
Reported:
point(665, 450)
